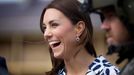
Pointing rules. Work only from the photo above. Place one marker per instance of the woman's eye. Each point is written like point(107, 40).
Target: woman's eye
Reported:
point(54, 25)
point(43, 29)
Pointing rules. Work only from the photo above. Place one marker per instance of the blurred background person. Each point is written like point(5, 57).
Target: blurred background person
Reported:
point(118, 22)
point(3, 66)
point(119, 29)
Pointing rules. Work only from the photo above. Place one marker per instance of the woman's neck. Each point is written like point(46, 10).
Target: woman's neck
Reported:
point(78, 63)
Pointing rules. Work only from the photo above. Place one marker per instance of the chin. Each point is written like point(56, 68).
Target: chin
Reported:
point(110, 41)
point(114, 43)
point(58, 56)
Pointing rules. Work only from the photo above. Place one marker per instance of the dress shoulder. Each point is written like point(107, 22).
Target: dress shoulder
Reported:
point(102, 67)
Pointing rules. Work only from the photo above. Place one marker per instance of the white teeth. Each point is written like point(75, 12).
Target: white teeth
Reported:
point(53, 42)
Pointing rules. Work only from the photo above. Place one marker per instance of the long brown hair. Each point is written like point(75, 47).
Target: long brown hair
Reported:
point(72, 10)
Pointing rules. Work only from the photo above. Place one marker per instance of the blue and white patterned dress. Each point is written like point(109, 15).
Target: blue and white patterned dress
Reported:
point(100, 66)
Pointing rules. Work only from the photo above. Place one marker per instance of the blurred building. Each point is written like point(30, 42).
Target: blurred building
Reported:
point(21, 41)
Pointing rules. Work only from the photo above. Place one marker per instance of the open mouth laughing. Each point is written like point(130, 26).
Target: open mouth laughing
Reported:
point(54, 44)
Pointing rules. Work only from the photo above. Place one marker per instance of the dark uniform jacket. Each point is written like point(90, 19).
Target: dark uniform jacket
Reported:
point(3, 66)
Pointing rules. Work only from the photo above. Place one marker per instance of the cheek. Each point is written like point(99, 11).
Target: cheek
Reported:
point(65, 31)
point(62, 32)
point(117, 34)
point(66, 35)
point(120, 33)
point(123, 35)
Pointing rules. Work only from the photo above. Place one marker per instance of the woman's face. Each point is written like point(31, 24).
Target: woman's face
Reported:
point(59, 32)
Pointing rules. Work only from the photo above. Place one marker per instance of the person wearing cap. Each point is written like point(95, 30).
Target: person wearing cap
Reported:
point(118, 21)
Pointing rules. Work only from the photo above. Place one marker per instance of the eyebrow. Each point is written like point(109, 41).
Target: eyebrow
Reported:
point(50, 22)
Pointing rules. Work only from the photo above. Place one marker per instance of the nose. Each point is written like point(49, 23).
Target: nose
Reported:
point(47, 34)
point(105, 25)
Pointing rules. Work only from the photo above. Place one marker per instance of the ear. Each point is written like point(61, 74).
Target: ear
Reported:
point(79, 28)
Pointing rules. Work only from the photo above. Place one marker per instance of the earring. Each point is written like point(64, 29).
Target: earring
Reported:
point(77, 38)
